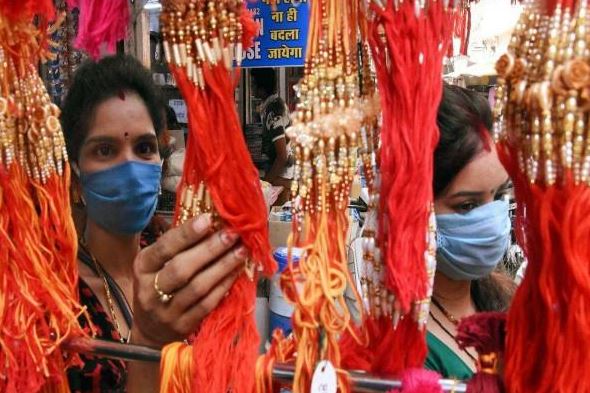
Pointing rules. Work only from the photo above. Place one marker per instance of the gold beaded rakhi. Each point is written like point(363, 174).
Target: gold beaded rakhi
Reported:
point(542, 121)
point(38, 270)
point(203, 44)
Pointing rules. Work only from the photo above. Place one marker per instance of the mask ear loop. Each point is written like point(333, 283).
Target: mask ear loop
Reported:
point(76, 185)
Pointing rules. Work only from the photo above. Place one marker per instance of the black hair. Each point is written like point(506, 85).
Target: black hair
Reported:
point(96, 82)
point(265, 78)
point(464, 120)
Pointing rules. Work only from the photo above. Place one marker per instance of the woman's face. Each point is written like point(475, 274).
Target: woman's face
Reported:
point(481, 181)
point(121, 130)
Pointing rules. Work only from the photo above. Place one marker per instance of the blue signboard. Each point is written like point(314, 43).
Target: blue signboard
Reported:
point(283, 34)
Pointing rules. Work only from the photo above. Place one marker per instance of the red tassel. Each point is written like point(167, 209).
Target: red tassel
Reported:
point(225, 346)
point(19, 10)
point(486, 332)
point(407, 50)
point(547, 329)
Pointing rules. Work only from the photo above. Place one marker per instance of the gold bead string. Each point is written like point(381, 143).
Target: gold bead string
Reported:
point(195, 202)
point(30, 131)
point(543, 97)
point(198, 33)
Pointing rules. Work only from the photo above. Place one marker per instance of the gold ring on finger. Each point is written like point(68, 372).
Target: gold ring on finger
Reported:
point(163, 296)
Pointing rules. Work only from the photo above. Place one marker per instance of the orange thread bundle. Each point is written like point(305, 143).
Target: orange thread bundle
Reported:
point(542, 119)
point(327, 134)
point(202, 40)
point(38, 275)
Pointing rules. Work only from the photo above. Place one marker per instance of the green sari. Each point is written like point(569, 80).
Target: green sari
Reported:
point(443, 360)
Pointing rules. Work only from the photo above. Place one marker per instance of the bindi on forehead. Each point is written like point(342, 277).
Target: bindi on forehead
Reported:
point(126, 135)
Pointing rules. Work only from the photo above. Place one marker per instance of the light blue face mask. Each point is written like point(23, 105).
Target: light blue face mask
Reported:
point(471, 245)
point(122, 199)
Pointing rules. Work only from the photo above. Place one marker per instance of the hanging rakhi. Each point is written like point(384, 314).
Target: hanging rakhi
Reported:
point(202, 42)
point(408, 40)
point(38, 269)
point(330, 124)
point(542, 122)
point(101, 24)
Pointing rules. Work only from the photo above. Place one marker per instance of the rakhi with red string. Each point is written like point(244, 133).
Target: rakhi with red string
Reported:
point(542, 119)
point(39, 306)
point(408, 40)
point(202, 41)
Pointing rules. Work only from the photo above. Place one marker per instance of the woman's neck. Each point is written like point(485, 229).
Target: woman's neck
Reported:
point(115, 253)
point(454, 295)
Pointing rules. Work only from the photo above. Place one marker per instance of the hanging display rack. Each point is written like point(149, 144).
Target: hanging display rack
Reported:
point(362, 382)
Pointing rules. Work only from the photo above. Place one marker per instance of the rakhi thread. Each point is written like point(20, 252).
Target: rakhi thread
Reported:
point(203, 40)
point(408, 41)
point(39, 306)
point(101, 24)
point(331, 122)
point(486, 332)
point(542, 131)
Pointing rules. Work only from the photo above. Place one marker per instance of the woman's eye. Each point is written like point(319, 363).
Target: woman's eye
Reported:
point(104, 151)
point(146, 148)
point(467, 206)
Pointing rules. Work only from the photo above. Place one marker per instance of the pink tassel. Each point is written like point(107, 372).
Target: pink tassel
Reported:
point(101, 23)
point(417, 380)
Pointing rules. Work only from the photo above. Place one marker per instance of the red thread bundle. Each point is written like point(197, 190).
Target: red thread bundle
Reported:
point(408, 44)
point(541, 124)
point(219, 176)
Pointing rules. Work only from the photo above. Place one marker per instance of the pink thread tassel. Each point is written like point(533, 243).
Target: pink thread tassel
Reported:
point(102, 23)
point(416, 380)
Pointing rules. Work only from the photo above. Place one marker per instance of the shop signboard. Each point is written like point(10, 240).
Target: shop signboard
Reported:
point(179, 107)
point(283, 33)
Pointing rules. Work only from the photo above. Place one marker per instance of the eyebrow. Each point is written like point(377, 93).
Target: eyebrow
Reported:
point(147, 137)
point(506, 185)
point(99, 139)
point(109, 139)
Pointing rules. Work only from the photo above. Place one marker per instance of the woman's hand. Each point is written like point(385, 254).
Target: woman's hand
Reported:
point(193, 264)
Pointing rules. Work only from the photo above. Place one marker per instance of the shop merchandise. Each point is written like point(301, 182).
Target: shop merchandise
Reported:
point(38, 270)
point(101, 24)
point(408, 41)
point(486, 332)
point(327, 131)
point(202, 43)
point(60, 69)
point(542, 132)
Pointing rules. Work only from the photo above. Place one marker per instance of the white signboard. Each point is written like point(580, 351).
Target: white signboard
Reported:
point(179, 107)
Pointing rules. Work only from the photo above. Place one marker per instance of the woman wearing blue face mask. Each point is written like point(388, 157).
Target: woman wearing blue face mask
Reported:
point(473, 228)
point(111, 118)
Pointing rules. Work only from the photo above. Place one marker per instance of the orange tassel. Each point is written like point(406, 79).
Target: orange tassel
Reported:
point(39, 306)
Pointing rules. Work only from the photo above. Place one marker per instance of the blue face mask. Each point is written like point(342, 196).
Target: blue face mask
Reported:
point(122, 199)
point(471, 245)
